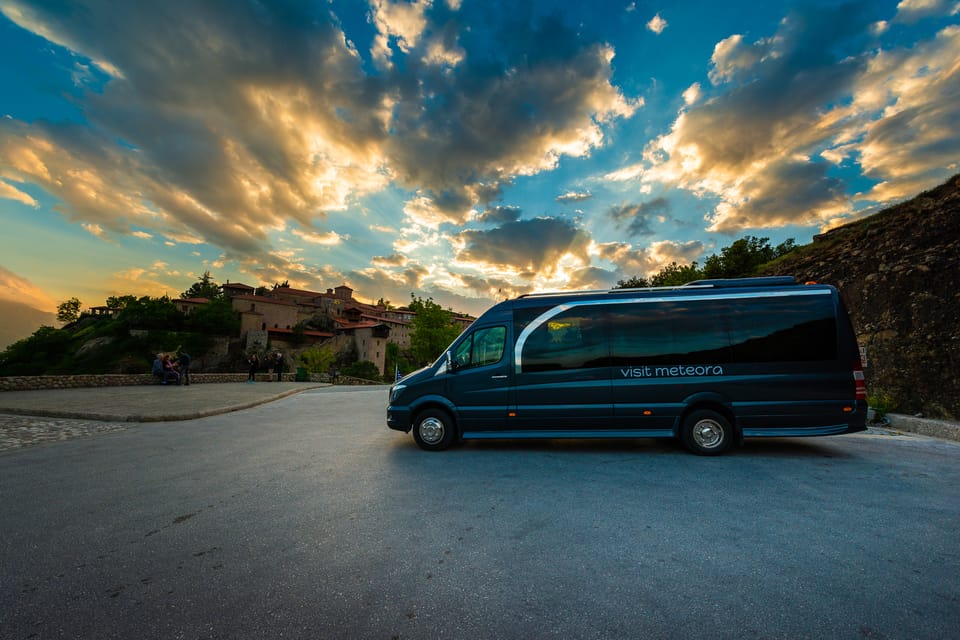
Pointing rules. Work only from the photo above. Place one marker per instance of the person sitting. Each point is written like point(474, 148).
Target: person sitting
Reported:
point(158, 369)
point(169, 370)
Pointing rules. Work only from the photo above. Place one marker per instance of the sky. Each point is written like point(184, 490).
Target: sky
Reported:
point(461, 150)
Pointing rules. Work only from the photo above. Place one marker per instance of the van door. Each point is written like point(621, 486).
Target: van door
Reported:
point(479, 380)
point(561, 370)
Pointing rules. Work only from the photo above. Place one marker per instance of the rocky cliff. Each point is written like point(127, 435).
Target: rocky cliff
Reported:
point(899, 273)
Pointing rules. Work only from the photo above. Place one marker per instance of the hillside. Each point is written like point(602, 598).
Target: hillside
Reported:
point(899, 273)
point(20, 321)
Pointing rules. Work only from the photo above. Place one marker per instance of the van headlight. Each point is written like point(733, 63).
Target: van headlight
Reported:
point(395, 392)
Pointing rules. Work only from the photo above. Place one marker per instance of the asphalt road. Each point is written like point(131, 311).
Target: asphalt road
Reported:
point(308, 518)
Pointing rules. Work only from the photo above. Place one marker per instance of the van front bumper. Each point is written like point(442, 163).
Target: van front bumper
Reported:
point(398, 418)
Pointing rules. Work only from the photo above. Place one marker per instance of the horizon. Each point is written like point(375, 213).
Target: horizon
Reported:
point(461, 151)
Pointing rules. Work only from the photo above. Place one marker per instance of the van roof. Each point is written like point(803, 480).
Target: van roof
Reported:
point(717, 283)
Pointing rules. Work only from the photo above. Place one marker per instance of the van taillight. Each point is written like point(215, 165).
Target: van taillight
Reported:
point(858, 381)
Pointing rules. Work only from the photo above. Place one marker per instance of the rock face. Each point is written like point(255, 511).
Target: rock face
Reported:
point(899, 273)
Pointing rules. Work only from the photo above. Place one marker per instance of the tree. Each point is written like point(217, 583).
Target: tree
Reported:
point(119, 302)
point(68, 311)
point(675, 275)
point(35, 355)
point(205, 287)
point(741, 259)
point(635, 282)
point(318, 360)
point(432, 329)
point(216, 317)
point(394, 360)
point(151, 313)
point(363, 369)
point(744, 257)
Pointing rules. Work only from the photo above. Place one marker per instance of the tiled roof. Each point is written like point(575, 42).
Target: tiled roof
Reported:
point(265, 300)
point(316, 334)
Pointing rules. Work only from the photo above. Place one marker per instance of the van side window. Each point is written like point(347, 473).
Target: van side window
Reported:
point(573, 339)
point(680, 332)
point(482, 347)
point(784, 329)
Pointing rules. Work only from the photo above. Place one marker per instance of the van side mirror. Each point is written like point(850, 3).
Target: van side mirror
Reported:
point(451, 363)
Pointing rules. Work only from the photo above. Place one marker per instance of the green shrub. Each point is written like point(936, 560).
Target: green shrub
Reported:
point(882, 404)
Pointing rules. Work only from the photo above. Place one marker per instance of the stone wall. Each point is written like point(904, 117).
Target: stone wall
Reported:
point(29, 383)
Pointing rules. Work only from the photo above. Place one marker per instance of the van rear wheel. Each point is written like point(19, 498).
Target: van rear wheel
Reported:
point(707, 433)
point(433, 430)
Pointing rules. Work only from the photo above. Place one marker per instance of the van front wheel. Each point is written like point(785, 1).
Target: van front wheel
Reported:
point(433, 430)
point(707, 433)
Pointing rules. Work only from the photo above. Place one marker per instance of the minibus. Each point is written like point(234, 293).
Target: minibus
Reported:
point(709, 363)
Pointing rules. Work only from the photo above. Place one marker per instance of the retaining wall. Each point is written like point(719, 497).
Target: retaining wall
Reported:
point(29, 383)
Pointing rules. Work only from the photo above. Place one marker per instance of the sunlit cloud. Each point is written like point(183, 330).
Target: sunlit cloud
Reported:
point(16, 288)
point(10, 192)
point(395, 260)
point(780, 119)
point(657, 24)
point(329, 238)
point(910, 11)
point(528, 249)
point(574, 196)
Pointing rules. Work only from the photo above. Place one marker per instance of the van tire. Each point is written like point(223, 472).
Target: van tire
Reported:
point(707, 433)
point(433, 430)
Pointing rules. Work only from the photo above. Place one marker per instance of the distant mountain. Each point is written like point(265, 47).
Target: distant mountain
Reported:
point(899, 273)
point(19, 321)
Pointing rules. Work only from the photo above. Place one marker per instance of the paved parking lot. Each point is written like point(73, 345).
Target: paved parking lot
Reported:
point(307, 518)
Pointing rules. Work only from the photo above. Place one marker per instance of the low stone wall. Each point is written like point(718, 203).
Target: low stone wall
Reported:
point(29, 383)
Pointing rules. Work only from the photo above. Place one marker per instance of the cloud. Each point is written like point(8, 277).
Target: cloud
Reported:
point(10, 192)
point(205, 130)
point(499, 215)
point(913, 142)
point(657, 24)
point(16, 288)
point(911, 11)
point(395, 260)
point(785, 108)
point(646, 262)
point(530, 249)
point(637, 218)
point(400, 22)
point(574, 196)
point(458, 136)
point(328, 239)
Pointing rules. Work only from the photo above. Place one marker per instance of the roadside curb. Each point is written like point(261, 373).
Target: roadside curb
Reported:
point(134, 417)
point(925, 426)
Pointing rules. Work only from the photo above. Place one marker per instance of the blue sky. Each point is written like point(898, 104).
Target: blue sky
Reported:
point(457, 149)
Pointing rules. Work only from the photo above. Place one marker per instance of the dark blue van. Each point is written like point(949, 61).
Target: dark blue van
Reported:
point(710, 363)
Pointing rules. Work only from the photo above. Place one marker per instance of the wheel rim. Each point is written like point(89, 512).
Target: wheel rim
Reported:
point(708, 434)
point(431, 430)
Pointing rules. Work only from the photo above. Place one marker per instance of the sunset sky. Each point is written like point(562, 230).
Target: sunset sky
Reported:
point(457, 149)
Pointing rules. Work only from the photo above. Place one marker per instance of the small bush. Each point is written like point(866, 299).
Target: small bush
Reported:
point(882, 404)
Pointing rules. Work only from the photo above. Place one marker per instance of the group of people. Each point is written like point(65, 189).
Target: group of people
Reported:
point(172, 369)
point(275, 362)
point(175, 369)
